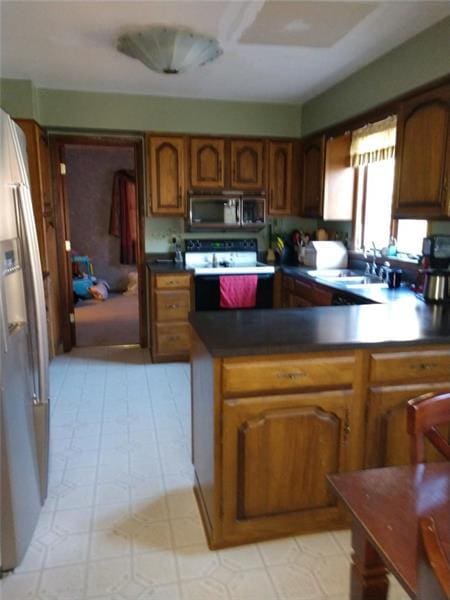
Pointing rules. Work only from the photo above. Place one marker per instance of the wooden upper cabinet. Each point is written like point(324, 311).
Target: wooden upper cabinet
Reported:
point(167, 175)
point(247, 164)
point(280, 178)
point(313, 172)
point(207, 163)
point(423, 156)
point(339, 180)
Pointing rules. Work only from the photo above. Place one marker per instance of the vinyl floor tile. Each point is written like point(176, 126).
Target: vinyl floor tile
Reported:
point(121, 522)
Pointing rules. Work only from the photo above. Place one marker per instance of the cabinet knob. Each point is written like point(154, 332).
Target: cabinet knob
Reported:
point(423, 366)
point(291, 376)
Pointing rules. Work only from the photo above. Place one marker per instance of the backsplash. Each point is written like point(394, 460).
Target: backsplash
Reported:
point(160, 231)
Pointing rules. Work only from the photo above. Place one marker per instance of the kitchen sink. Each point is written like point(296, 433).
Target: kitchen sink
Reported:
point(335, 273)
point(347, 277)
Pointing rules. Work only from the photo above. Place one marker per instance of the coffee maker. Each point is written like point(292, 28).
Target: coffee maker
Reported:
point(436, 253)
point(437, 249)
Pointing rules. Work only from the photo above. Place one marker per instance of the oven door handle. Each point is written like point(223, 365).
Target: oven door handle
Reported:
point(216, 277)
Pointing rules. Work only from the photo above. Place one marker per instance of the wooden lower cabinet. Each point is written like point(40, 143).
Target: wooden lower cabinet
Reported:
point(301, 293)
point(170, 303)
point(267, 430)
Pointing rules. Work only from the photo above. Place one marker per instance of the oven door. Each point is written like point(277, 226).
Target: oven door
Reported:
point(207, 292)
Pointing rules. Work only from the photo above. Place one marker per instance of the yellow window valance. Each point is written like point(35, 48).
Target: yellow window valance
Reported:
point(373, 142)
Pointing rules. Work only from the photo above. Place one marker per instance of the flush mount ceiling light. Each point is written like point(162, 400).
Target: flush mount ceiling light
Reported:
point(168, 49)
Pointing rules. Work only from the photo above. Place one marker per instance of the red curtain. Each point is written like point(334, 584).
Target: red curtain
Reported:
point(123, 222)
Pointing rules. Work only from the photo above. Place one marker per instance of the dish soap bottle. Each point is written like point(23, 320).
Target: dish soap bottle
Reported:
point(392, 247)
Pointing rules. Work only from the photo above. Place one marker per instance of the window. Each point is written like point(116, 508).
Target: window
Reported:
point(372, 155)
point(410, 233)
point(374, 203)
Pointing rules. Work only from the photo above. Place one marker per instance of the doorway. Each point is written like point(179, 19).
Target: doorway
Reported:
point(99, 195)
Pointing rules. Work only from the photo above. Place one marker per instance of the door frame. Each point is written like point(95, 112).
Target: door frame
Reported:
point(58, 143)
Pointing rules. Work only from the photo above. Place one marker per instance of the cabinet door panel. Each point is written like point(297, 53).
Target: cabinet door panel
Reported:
point(172, 339)
point(277, 451)
point(172, 306)
point(338, 180)
point(280, 178)
point(313, 167)
point(423, 137)
point(387, 439)
point(247, 164)
point(167, 175)
point(273, 477)
point(207, 163)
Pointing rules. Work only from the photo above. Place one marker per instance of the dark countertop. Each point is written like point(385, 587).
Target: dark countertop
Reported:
point(167, 266)
point(284, 331)
point(373, 293)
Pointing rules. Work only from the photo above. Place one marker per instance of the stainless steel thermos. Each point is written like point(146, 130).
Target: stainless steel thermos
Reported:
point(436, 286)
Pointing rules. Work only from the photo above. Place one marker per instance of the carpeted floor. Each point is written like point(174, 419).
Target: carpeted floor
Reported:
point(107, 322)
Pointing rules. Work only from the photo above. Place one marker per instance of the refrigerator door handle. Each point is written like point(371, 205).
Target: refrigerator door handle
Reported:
point(38, 292)
point(3, 324)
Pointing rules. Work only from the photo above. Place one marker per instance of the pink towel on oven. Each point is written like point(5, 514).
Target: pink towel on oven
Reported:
point(238, 291)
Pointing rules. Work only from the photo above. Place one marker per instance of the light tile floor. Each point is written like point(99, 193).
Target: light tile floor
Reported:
point(121, 522)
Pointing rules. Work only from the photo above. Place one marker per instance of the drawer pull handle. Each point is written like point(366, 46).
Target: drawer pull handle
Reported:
point(174, 338)
point(423, 366)
point(172, 305)
point(291, 375)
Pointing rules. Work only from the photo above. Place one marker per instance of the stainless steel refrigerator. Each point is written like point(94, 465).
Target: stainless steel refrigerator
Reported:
point(24, 407)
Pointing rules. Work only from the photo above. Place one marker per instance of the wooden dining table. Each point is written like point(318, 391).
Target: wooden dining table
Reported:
point(385, 505)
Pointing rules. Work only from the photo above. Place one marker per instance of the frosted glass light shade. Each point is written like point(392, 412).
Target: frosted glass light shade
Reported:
point(169, 50)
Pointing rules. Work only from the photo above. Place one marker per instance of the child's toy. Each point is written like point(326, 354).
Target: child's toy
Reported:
point(82, 276)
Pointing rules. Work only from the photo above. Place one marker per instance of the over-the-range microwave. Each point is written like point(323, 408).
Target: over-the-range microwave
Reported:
point(227, 211)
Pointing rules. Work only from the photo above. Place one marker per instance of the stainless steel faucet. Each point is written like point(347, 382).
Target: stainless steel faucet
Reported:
point(373, 269)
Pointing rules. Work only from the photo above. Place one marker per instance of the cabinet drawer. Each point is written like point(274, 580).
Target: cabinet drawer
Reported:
point(167, 282)
point(172, 306)
point(410, 366)
point(172, 339)
point(259, 375)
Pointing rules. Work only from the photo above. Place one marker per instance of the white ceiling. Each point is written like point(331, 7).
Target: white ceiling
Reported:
point(274, 50)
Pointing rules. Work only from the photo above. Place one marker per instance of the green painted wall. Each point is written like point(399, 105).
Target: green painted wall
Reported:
point(127, 112)
point(18, 98)
point(419, 60)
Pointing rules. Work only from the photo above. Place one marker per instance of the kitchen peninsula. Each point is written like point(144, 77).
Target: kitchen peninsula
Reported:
point(281, 398)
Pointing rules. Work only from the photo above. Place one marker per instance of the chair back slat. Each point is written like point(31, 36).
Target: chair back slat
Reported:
point(424, 415)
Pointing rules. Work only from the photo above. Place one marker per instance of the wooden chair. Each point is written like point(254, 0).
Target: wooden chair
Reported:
point(424, 415)
point(433, 568)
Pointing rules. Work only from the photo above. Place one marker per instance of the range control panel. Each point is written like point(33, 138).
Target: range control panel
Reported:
point(249, 245)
